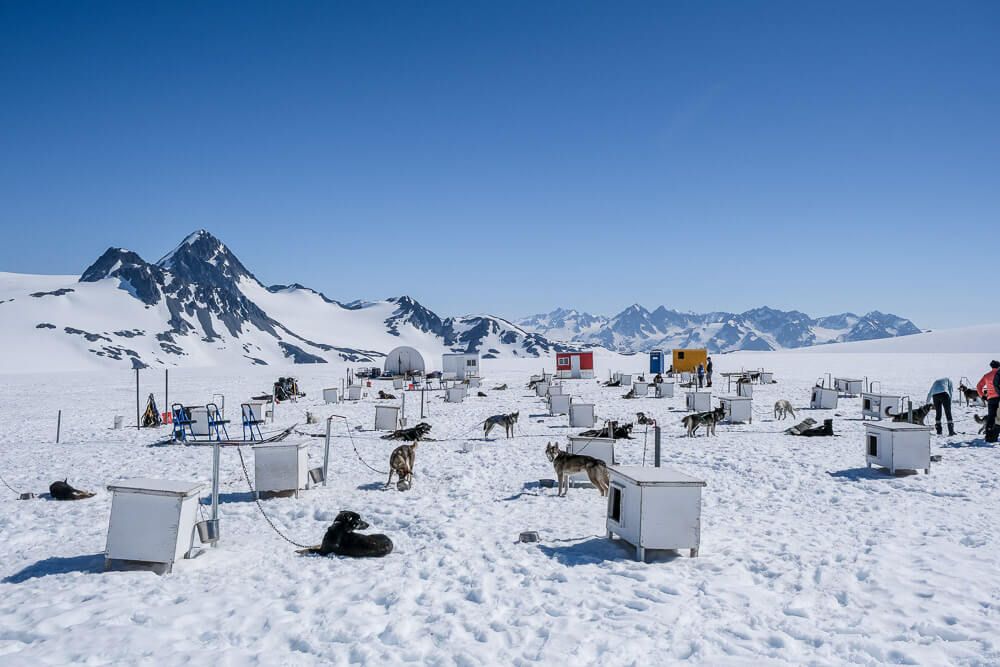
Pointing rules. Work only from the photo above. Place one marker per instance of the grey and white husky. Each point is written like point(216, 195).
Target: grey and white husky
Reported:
point(567, 464)
point(708, 419)
point(783, 409)
point(401, 462)
point(507, 421)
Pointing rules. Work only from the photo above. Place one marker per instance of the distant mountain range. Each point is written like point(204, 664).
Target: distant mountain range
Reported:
point(200, 306)
point(636, 329)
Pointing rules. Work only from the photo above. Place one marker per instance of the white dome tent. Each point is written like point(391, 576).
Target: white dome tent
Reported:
point(404, 361)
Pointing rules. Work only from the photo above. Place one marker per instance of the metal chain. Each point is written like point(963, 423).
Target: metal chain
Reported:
point(246, 475)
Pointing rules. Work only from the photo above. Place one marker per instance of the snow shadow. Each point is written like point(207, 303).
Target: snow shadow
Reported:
point(858, 474)
point(372, 486)
point(90, 563)
point(231, 497)
point(978, 442)
point(599, 550)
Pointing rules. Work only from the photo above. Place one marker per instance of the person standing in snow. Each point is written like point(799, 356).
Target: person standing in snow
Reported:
point(940, 395)
point(989, 389)
point(708, 371)
point(701, 376)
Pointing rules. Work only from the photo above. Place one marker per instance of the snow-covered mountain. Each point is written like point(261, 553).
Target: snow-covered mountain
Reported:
point(637, 329)
point(200, 306)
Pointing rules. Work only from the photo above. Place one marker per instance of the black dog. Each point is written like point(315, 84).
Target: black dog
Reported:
point(63, 491)
point(412, 434)
point(919, 414)
point(341, 540)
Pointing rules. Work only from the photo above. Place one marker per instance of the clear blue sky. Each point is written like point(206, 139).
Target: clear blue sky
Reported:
point(512, 157)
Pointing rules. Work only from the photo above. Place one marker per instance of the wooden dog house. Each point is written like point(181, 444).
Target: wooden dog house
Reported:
point(331, 395)
point(823, 398)
point(849, 387)
point(898, 446)
point(698, 401)
point(152, 523)
point(559, 404)
point(280, 467)
point(640, 389)
point(654, 508)
point(387, 417)
point(737, 409)
point(880, 406)
point(581, 415)
point(744, 389)
point(663, 390)
point(454, 394)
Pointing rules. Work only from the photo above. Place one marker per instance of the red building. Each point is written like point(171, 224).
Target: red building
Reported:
point(574, 364)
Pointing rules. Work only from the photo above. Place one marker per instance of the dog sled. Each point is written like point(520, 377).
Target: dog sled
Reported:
point(276, 437)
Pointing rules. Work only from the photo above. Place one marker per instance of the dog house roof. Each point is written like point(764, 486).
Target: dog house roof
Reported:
point(647, 475)
point(897, 426)
point(278, 445)
point(163, 487)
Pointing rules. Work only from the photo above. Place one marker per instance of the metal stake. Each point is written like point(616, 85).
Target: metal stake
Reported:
point(656, 446)
point(216, 449)
point(326, 451)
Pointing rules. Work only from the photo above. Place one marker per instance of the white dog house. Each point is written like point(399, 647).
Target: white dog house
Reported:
point(152, 523)
point(823, 398)
point(473, 382)
point(698, 401)
point(685, 377)
point(257, 410)
point(459, 365)
point(559, 404)
point(744, 389)
point(737, 409)
point(398, 383)
point(640, 389)
point(898, 446)
point(599, 448)
point(880, 406)
point(403, 361)
point(766, 377)
point(664, 390)
point(581, 415)
point(386, 417)
point(848, 386)
point(555, 390)
point(541, 389)
point(654, 508)
point(280, 467)
point(331, 395)
point(454, 394)
point(624, 378)
point(354, 392)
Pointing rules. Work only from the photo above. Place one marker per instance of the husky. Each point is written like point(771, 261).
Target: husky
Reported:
point(412, 434)
point(500, 387)
point(341, 540)
point(709, 419)
point(642, 420)
point(63, 491)
point(970, 394)
point(507, 421)
point(919, 414)
point(610, 430)
point(613, 383)
point(384, 396)
point(480, 394)
point(401, 462)
point(566, 464)
point(630, 394)
point(783, 409)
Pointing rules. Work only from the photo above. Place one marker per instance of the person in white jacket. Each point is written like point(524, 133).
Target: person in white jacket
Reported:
point(940, 395)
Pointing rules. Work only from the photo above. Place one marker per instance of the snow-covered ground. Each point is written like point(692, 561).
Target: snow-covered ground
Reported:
point(807, 557)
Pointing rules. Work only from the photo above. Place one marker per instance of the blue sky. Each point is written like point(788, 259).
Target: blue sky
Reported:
point(513, 157)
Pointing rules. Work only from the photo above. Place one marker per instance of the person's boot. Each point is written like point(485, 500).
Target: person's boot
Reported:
point(937, 427)
point(951, 428)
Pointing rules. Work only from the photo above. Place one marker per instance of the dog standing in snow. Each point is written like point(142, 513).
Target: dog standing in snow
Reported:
point(783, 409)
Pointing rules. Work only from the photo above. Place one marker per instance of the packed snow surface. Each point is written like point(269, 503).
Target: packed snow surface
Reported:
point(807, 556)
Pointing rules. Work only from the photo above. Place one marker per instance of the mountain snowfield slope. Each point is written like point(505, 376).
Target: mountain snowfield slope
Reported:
point(637, 329)
point(982, 338)
point(200, 306)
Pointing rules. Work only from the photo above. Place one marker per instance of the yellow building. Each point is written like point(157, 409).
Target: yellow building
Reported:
point(688, 360)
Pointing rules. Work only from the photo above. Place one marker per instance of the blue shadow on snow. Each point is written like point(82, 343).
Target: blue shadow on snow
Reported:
point(90, 563)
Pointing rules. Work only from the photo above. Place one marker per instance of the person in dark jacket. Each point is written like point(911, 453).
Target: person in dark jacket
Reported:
point(701, 376)
point(708, 372)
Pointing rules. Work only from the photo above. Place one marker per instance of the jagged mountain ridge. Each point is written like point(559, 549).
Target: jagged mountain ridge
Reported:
point(200, 305)
point(636, 329)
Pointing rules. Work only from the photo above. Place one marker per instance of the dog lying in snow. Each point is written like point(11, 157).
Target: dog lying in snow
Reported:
point(500, 387)
point(642, 420)
point(341, 540)
point(63, 491)
point(616, 433)
point(783, 409)
point(384, 396)
point(411, 434)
